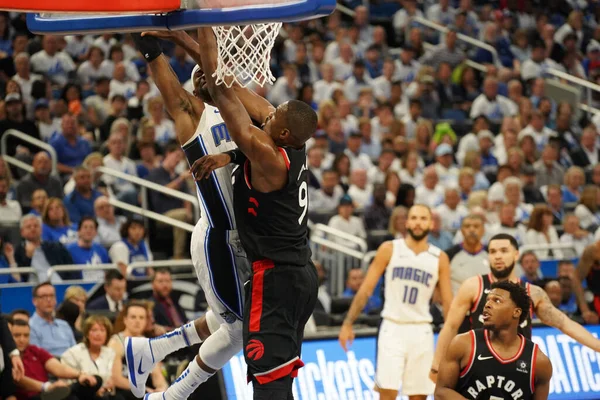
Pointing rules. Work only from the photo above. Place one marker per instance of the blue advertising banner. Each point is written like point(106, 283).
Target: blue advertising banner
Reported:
point(331, 374)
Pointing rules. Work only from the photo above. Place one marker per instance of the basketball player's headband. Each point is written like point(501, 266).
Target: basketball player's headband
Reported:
point(196, 69)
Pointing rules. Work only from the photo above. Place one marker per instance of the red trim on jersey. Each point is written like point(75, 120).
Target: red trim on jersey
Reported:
point(479, 296)
point(246, 175)
point(256, 302)
point(528, 287)
point(286, 158)
point(497, 356)
point(289, 368)
point(467, 367)
point(533, 360)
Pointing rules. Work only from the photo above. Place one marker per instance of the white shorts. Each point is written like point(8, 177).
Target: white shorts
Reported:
point(222, 269)
point(404, 358)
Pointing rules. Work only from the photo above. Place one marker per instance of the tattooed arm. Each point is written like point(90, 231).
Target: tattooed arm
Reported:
point(376, 269)
point(552, 316)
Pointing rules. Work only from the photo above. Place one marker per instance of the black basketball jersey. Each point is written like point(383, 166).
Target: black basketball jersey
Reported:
point(273, 225)
point(489, 376)
point(593, 278)
point(475, 316)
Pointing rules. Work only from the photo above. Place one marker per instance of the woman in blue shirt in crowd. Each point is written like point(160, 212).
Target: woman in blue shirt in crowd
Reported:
point(85, 251)
point(132, 247)
point(57, 226)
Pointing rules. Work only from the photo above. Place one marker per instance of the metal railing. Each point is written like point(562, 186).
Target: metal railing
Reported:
point(144, 186)
point(133, 266)
point(562, 247)
point(583, 83)
point(460, 36)
point(26, 138)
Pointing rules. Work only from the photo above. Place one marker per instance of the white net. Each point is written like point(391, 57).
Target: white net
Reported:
point(245, 53)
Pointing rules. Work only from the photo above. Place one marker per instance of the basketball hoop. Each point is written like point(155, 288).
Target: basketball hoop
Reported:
point(244, 53)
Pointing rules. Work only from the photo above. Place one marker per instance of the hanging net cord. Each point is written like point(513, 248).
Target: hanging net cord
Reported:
point(245, 54)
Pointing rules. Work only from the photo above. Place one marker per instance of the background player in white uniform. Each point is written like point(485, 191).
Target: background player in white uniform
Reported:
point(218, 257)
point(413, 270)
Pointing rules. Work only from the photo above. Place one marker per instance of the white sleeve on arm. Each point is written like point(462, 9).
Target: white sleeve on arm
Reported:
point(119, 253)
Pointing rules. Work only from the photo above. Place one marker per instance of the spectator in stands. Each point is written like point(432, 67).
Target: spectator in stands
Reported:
point(392, 185)
point(345, 221)
point(509, 224)
point(93, 356)
point(134, 318)
point(530, 265)
point(314, 157)
point(86, 251)
point(24, 77)
point(447, 52)
point(357, 81)
point(566, 275)
point(548, 171)
point(90, 70)
point(10, 210)
point(19, 313)
point(574, 180)
point(121, 84)
point(555, 203)
point(131, 248)
point(164, 128)
point(167, 312)
point(52, 62)
point(554, 291)
point(14, 118)
point(38, 254)
point(541, 232)
point(71, 149)
point(80, 202)
point(397, 226)
point(57, 225)
point(491, 104)
point(116, 160)
point(575, 235)
point(148, 159)
point(358, 159)
point(7, 260)
point(466, 181)
point(588, 209)
point(451, 211)
point(412, 118)
point(377, 215)
point(109, 224)
point(438, 236)
point(72, 309)
point(410, 172)
point(52, 334)
point(354, 279)
point(444, 165)
point(513, 194)
point(115, 288)
point(537, 65)
point(360, 190)
point(328, 196)
point(118, 108)
point(531, 193)
point(40, 178)
point(589, 151)
point(40, 363)
point(285, 87)
point(429, 192)
point(469, 258)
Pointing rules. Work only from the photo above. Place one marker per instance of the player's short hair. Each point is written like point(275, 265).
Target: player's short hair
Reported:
point(518, 295)
point(301, 120)
point(505, 236)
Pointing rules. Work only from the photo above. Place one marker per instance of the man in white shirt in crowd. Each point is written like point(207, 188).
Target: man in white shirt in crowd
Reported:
point(51, 62)
point(358, 160)
point(441, 13)
point(378, 172)
point(115, 287)
point(90, 69)
point(382, 85)
point(327, 198)
point(491, 104)
point(537, 128)
point(10, 210)
point(360, 189)
point(344, 64)
point(120, 83)
point(358, 81)
point(411, 119)
point(24, 77)
point(513, 194)
point(314, 161)
point(345, 221)
point(508, 224)
point(547, 170)
point(286, 87)
point(444, 166)
point(115, 159)
point(429, 192)
point(324, 87)
point(589, 152)
point(348, 120)
point(538, 64)
point(451, 211)
point(109, 225)
point(406, 66)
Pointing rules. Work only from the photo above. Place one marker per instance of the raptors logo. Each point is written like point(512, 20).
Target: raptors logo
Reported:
point(255, 350)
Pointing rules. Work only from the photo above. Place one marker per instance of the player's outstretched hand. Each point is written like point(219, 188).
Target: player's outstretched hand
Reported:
point(204, 166)
point(346, 336)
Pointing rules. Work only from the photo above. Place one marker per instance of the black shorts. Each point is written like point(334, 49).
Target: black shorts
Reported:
point(279, 301)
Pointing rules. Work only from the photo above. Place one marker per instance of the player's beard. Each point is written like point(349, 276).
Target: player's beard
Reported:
point(416, 237)
point(503, 274)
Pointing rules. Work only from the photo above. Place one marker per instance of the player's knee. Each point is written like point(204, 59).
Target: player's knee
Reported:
point(275, 390)
point(235, 332)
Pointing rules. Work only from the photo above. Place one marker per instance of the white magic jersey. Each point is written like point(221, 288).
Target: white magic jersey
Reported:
point(410, 280)
point(215, 193)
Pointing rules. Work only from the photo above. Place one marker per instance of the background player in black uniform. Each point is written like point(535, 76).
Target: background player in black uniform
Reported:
point(496, 362)
point(271, 205)
point(503, 252)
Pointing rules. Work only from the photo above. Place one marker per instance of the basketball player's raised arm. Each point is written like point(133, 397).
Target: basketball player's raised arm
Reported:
point(181, 105)
point(450, 368)
point(543, 374)
point(376, 269)
point(552, 316)
point(444, 283)
point(460, 306)
point(257, 106)
point(253, 142)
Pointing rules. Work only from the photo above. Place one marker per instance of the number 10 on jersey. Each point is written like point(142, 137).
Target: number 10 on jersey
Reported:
point(410, 295)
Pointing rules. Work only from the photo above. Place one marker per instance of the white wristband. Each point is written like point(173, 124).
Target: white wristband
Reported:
point(45, 386)
point(15, 353)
